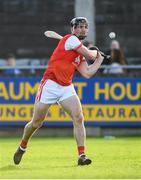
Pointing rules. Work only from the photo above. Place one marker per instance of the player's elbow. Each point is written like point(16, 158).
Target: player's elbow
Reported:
point(87, 76)
point(87, 73)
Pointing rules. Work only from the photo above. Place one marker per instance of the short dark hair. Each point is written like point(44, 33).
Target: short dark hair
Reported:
point(77, 20)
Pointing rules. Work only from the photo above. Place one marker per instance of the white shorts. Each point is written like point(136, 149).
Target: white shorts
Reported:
point(51, 92)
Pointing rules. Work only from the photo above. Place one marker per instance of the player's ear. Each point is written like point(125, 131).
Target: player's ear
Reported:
point(72, 29)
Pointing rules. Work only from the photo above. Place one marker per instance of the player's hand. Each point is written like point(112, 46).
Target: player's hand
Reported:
point(99, 57)
point(107, 57)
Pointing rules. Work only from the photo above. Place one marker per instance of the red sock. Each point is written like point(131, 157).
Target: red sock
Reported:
point(23, 144)
point(81, 150)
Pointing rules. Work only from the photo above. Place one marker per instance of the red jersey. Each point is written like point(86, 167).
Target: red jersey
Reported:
point(64, 60)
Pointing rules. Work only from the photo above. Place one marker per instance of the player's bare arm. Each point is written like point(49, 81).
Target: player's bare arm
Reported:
point(88, 71)
point(88, 54)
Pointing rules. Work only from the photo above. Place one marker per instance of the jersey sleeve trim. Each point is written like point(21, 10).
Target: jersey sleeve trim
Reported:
point(78, 47)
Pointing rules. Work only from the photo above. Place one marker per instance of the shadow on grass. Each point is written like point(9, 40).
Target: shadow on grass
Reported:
point(63, 166)
point(12, 167)
point(9, 167)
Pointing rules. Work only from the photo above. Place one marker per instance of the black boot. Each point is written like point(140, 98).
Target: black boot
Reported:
point(83, 160)
point(18, 156)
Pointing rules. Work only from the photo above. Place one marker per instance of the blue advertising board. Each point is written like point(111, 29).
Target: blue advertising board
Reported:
point(105, 102)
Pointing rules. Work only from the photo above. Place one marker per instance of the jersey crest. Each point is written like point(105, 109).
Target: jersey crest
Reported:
point(77, 61)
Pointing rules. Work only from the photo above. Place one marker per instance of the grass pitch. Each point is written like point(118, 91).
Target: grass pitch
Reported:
point(57, 158)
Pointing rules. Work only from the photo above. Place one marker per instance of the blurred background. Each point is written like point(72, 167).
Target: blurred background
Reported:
point(23, 23)
point(24, 53)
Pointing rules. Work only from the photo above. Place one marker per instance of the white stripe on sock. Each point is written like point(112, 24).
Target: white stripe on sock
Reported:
point(23, 149)
point(81, 155)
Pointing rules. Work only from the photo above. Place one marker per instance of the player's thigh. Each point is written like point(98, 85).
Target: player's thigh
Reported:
point(40, 111)
point(72, 106)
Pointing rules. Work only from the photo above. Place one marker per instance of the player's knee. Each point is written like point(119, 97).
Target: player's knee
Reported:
point(36, 124)
point(37, 121)
point(78, 118)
